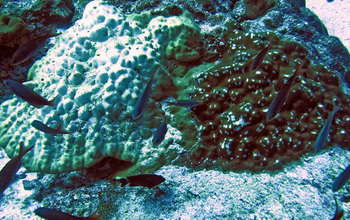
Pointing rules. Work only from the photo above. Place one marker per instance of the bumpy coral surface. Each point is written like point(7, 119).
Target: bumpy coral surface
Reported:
point(101, 65)
point(185, 47)
point(256, 8)
point(11, 29)
point(97, 70)
point(58, 12)
point(232, 116)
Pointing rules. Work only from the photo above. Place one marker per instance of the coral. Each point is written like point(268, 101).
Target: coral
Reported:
point(186, 46)
point(58, 12)
point(347, 78)
point(11, 30)
point(234, 132)
point(256, 8)
point(97, 69)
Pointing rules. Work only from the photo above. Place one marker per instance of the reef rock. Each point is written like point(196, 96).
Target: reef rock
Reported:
point(11, 30)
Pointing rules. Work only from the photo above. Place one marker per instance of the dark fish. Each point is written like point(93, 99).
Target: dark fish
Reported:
point(340, 181)
point(184, 103)
point(24, 52)
point(27, 94)
point(52, 214)
point(339, 211)
point(143, 99)
point(159, 135)
point(42, 127)
point(323, 135)
point(259, 59)
point(146, 180)
point(280, 98)
point(9, 171)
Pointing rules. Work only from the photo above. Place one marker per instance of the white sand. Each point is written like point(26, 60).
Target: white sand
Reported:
point(335, 16)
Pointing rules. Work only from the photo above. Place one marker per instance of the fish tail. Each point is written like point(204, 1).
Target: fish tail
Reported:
point(123, 181)
point(162, 116)
point(299, 70)
point(155, 73)
point(22, 150)
point(336, 108)
point(61, 130)
point(52, 102)
point(269, 46)
point(52, 32)
point(94, 215)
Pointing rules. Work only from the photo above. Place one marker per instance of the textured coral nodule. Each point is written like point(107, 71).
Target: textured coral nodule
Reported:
point(257, 8)
point(234, 132)
point(97, 69)
point(11, 30)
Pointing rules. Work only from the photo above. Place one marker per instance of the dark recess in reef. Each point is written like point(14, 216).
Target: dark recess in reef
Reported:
point(107, 168)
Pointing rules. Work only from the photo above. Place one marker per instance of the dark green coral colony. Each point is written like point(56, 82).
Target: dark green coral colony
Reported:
point(11, 29)
point(227, 130)
point(232, 117)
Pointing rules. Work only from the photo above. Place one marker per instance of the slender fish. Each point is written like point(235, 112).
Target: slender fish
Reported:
point(259, 59)
point(52, 214)
point(27, 94)
point(44, 128)
point(280, 98)
point(24, 52)
point(323, 135)
point(184, 103)
point(143, 99)
point(9, 171)
point(146, 180)
point(339, 211)
point(340, 181)
point(159, 135)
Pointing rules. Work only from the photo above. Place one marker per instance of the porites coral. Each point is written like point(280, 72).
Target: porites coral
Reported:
point(11, 29)
point(234, 131)
point(97, 69)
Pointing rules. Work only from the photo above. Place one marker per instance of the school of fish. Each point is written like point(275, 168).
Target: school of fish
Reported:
point(24, 52)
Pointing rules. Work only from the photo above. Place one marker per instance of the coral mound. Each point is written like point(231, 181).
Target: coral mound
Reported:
point(11, 29)
point(97, 70)
point(232, 116)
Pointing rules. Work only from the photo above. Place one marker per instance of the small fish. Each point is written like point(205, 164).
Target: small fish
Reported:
point(146, 180)
point(9, 171)
point(52, 214)
point(27, 94)
point(323, 135)
point(339, 211)
point(44, 128)
point(159, 135)
point(24, 52)
point(340, 181)
point(184, 103)
point(143, 99)
point(259, 59)
point(280, 98)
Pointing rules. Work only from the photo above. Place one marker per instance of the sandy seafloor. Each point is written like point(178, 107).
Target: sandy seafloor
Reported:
point(301, 190)
point(335, 16)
